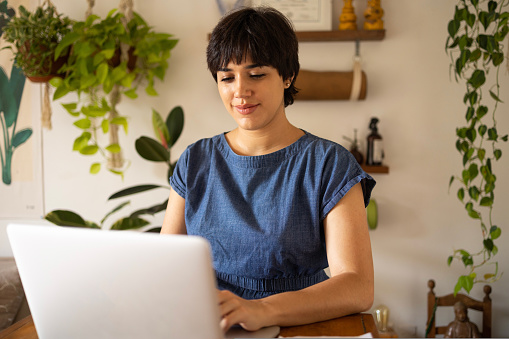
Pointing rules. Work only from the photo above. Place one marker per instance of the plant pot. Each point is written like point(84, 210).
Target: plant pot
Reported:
point(45, 73)
point(131, 61)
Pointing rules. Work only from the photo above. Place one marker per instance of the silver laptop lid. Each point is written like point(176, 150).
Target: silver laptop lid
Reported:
point(84, 283)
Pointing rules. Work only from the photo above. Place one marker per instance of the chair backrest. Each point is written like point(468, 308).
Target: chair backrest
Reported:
point(449, 300)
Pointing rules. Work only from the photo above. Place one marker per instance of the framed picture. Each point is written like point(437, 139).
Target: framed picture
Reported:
point(306, 15)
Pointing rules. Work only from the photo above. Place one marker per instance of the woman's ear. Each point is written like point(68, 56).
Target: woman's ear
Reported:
point(288, 82)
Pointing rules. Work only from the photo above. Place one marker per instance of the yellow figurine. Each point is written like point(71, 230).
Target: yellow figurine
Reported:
point(373, 15)
point(348, 19)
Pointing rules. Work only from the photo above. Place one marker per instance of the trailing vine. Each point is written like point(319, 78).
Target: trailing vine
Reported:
point(475, 46)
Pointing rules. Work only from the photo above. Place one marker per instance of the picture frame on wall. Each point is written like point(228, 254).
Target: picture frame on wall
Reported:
point(306, 15)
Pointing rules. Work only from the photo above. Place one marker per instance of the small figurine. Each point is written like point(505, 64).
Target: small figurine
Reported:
point(347, 19)
point(375, 150)
point(461, 327)
point(354, 148)
point(373, 15)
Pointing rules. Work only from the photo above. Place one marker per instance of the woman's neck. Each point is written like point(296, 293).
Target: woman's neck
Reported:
point(260, 142)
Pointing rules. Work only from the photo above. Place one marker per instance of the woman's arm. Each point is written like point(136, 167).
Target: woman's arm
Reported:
point(349, 290)
point(174, 219)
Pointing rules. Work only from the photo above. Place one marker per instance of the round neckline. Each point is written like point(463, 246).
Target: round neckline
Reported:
point(265, 160)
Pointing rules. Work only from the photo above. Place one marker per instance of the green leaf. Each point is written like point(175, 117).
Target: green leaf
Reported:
point(121, 121)
point(477, 79)
point(21, 136)
point(134, 190)
point(113, 148)
point(470, 113)
point(129, 223)
point(65, 218)
point(95, 168)
point(84, 123)
point(67, 40)
point(473, 192)
point(105, 126)
point(495, 232)
point(131, 93)
point(81, 142)
point(471, 212)
point(160, 129)
point(467, 283)
point(471, 133)
point(152, 150)
point(481, 111)
point(497, 153)
point(495, 97)
point(150, 90)
point(473, 171)
point(486, 201)
point(461, 194)
point(60, 92)
point(102, 72)
point(482, 130)
point(492, 134)
point(71, 108)
point(175, 124)
point(116, 209)
point(488, 244)
point(481, 153)
point(449, 260)
point(89, 150)
point(150, 210)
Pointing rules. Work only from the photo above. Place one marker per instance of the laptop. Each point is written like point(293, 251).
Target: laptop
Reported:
point(89, 283)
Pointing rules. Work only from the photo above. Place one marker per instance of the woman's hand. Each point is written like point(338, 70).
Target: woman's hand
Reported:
point(250, 314)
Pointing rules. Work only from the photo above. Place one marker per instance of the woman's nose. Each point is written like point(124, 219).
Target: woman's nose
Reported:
point(242, 88)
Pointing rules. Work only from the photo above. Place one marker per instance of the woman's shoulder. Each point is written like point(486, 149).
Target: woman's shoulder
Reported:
point(205, 144)
point(323, 146)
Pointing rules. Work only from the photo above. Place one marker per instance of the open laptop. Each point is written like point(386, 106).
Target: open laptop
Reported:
point(87, 283)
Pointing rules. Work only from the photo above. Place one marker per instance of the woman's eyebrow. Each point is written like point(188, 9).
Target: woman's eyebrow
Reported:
point(251, 66)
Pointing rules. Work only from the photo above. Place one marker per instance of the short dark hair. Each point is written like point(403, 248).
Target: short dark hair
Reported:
point(262, 33)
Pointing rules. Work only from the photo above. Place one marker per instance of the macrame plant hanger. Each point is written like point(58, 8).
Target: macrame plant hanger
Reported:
point(46, 105)
point(116, 160)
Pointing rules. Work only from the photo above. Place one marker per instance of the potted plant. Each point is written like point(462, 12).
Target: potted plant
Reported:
point(108, 57)
point(474, 45)
point(167, 132)
point(34, 37)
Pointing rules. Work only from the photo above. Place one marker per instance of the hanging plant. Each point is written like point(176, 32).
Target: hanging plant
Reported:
point(108, 57)
point(34, 37)
point(475, 45)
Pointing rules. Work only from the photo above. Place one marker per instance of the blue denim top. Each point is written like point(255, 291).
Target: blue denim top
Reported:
point(263, 215)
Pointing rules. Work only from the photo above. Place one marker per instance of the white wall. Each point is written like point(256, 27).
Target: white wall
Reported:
point(409, 89)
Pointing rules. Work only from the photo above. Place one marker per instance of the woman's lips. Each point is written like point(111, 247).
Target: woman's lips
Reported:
point(246, 109)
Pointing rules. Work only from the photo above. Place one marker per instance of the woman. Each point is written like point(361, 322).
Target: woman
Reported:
point(277, 204)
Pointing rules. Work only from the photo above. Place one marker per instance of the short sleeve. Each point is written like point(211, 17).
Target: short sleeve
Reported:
point(340, 173)
point(178, 179)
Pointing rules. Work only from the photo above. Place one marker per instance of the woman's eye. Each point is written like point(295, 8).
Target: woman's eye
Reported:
point(257, 76)
point(226, 79)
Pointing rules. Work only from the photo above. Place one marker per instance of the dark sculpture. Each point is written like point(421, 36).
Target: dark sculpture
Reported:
point(461, 327)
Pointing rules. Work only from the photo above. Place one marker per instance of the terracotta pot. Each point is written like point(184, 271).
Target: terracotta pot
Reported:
point(49, 73)
point(131, 61)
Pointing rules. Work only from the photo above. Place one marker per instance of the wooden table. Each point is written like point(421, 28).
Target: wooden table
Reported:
point(352, 325)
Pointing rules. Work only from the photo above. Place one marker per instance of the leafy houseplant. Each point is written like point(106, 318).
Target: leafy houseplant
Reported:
point(474, 44)
point(11, 91)
point(35, 37)
point(108, 57)
point(167, 133)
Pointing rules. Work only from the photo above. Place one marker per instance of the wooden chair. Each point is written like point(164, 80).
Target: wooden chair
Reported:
point(450, 300)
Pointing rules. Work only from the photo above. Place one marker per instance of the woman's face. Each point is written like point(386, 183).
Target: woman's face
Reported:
point(253, 94)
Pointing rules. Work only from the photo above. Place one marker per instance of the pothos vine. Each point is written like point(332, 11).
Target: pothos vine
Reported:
point(475, 46)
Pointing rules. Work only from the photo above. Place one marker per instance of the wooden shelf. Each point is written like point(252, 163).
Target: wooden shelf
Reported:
point(361, 35)
point(376, 169)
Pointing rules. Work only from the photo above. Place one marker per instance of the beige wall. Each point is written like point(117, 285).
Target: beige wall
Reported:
point(409, 89)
